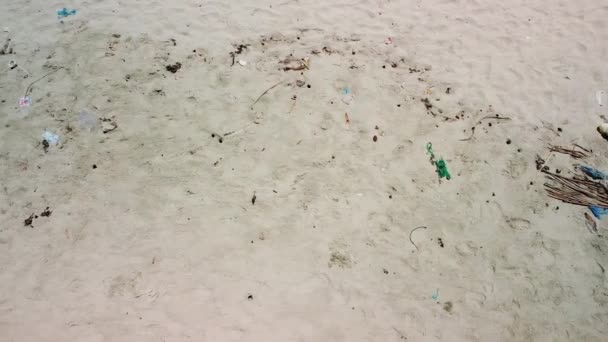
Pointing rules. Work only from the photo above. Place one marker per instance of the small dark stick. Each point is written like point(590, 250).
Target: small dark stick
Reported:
point(253, 199)
point(413, 230)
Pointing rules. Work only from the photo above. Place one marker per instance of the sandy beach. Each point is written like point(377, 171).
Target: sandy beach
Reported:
point(260, 170)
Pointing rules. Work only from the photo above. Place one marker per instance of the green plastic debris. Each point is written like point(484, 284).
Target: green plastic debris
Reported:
point(441, 166)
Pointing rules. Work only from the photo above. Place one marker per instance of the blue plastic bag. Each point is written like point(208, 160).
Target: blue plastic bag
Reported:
point(593, 173)
point(598, 212)
point(64, 12)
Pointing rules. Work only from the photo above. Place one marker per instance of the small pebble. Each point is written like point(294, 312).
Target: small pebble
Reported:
point(508, 141)
point(308, 86)
point(375, 138)
point(94, 166)
point(559, 129)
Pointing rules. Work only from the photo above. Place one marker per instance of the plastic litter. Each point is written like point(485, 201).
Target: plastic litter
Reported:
point(435, 295)
point(389, 41)
point(51, 138)
point(64, 12)
point(593, 173)
point(441, 166)
point(346, 91)
point(87, 120)
point(242, 62)
point(598, 212)
point(12, 64)
point(598, 96)
point(25, 101)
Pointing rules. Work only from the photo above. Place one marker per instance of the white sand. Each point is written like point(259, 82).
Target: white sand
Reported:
point(161, 241)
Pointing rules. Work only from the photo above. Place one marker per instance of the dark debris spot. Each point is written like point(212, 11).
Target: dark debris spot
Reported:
point(46, 213)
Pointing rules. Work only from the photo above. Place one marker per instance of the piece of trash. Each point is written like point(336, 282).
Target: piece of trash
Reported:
point(293, 63)
point(441, 166)
point(593, 173)
point(348, 99)
point(51, 138)
point(346, 118)
point(598, 212)
point(345, 91)
point(64, 12)
point(389, 41)
point(603, 129)
point(87, 120)
point(25, 101)
point(12, 64)
point(435, 295)
point(242, 62)
point(598, 96)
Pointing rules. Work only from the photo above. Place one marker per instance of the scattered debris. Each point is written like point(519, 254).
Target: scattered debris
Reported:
point(239, 49)
point(29, 87)
point(591, 224)
point(266, 91)
point(108, 125)
point(441, 166)
point(242, 62)
point(174, 67)
point(25, 101)
point(45, 146)
point(64, 12)
point(87, 120)
point(448, 306)
point(573, 153)
point(489, 117)
point(448, 90)
point(412, 231)
point(440, 242)
point(435, 295)
point(50, 138)
point(346, 118)
point(577, 191)
point(388, 41)
point(593, 173)
point(46, 213)
point(28, 221)
point(300, 83)
point(219, 137)
point(293, 63)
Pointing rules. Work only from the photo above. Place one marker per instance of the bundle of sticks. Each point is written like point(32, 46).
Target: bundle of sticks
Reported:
point(571, 152)
point(580, 191)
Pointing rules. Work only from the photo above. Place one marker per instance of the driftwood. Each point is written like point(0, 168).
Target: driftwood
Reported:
point(571, 152)
point(579, 191)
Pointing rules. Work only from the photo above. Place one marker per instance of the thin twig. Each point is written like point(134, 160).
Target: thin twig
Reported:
point(264, 93)
point(413, 230)
point(546, 160)
point(573, 153)
point(29, 88)
point(495, 117)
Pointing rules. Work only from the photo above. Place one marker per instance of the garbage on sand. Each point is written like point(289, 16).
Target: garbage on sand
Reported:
point(578, 190)
point(593, 173)
point(64, 12)
point(25, 101)
point(598, 212)
point(87, 120)
point(441, 166)
point(50, 138)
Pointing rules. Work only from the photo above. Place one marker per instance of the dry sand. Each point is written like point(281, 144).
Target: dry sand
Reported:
point(161, 241)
